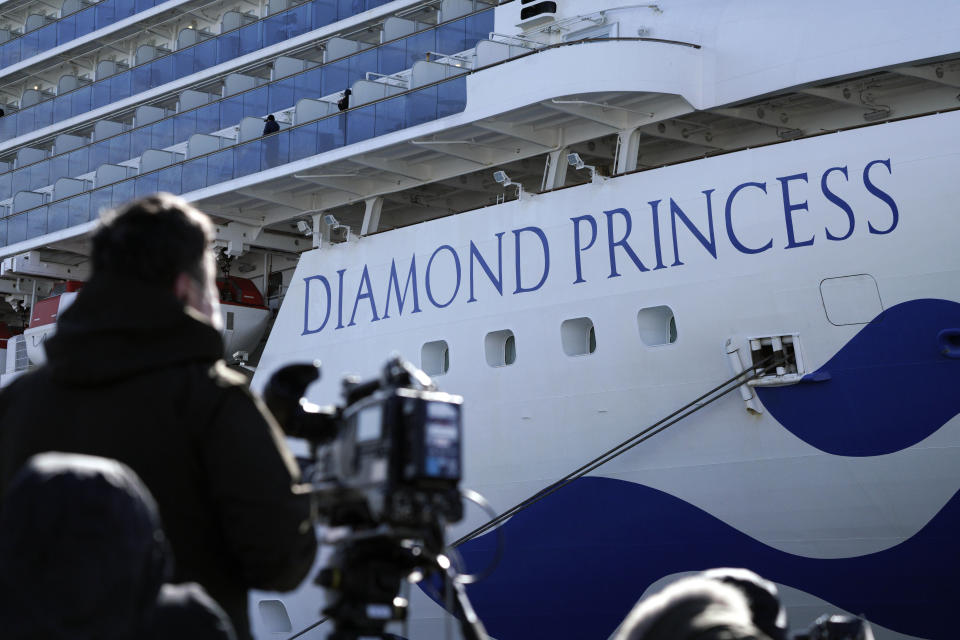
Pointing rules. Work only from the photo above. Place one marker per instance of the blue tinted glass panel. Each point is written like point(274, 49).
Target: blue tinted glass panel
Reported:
point(324, 12)
point(86, 21)
point(47, 37)
point(3, 233)
point(161, 71)
point(335, 77)
point(208, 118)
point(120, 85)
point(182, 63)
point(391, 57)
point(122, 192)
point(100, 201)
point(231, 111)
point(303, 142)
point(204, 55)
point(185, 125)
point(57, 216)
point(25, 122)
point(360, 63)
point(347, 8)
point(194, 175)
point(104, 14)
point(169, 179)
point(17, 229)
point(247, 158)
point(139, 142)
point(79, 209)
point(330, 133)
point(29, 46)
point(59, 167)
point(298, 21)
point(120, 148)
point(140, 79)
point(478, 27)
point(276, 149)
point(451, 97)
point(450, 37)
point(101, 95)
point(8, 127)
point(228, 46)
point(249, 38)
point(5, 182)
point(274, 29)
point(418, 45)
point(255, 102)
point(99, 154)
point(61, 108)
point(162, 134)
point(67, 29)
point(219, 167)
point(421, 106)
point(78, 161)
point(389, 116)
point(43, 114)
point(40, 175)
point(281, 95)
point(21, 180)
point(36, 222)
point(145, 185)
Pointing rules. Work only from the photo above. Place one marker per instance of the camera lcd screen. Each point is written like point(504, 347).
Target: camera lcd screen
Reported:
point(370, 423)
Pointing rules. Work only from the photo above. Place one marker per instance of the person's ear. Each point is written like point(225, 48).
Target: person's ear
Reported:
point(183, 288)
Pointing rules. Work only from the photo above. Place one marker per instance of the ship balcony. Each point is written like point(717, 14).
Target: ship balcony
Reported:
point(300, 92)
point(407, 104)
point(154, 70)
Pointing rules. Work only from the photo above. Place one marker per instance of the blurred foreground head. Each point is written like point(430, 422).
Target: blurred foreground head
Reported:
point(768, 613)
point(160, 241)
point(695, 608)
point(82, 554)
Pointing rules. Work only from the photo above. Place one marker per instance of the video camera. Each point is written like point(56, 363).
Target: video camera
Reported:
point(837, 627)
point(386, 465)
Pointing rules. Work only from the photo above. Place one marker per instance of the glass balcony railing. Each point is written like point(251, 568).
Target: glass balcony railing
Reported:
point(70, 27)
point(451, 37)
point(203, 55)
point(309, 139)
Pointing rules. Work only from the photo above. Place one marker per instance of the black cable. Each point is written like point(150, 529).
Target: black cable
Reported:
point(688, 409)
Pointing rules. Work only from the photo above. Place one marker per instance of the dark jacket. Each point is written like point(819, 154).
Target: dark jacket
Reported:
point(83, 557)
point(133, 375)
point(270, 126)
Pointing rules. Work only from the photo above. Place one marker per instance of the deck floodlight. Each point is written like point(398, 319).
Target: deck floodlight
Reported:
point(330, 221)
point(304, 227)
point(575, 161)
point(501, 177)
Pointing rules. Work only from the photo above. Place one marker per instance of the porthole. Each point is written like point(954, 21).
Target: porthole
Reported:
point(657, 326)
point(274, 616)
point(500, 348)
point(578, 336)
point(435, 358)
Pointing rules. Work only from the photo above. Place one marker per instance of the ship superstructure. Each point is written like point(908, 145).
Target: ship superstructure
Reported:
point(732, 180)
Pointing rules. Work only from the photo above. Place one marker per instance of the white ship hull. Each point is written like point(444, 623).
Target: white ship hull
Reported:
point(843, 490)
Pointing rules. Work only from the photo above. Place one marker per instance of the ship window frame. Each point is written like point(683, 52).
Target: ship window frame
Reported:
point(435, 357)
point(578, 336)
point(500, 348)
point(657, 326)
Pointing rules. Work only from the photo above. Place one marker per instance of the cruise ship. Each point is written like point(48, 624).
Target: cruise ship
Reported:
point(582, 216)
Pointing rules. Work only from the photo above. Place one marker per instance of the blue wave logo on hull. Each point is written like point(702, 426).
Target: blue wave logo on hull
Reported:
point(577, 561)
point(888, 388)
